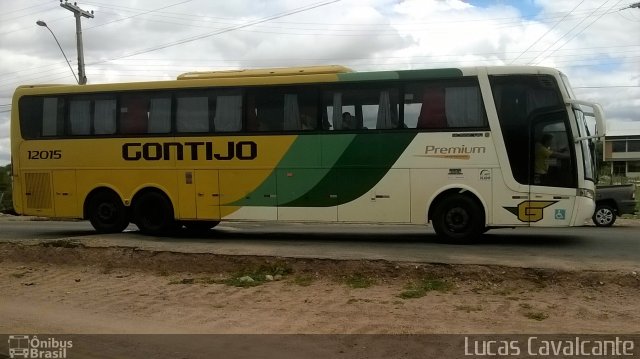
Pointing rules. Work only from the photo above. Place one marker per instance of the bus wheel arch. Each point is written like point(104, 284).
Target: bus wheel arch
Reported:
point(153, 212)
point(104, 208)
point(458, 215)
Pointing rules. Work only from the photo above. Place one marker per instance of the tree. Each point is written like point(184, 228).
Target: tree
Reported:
point(5, 188)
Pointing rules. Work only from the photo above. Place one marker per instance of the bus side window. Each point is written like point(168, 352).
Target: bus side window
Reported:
point(192, 114)
point(80, 117)
point(52, 117)
point(266, 113)
point(387, 110)
point(356, 108)
point(442, 104)
point(228, 113)
point(432, 112)
point(291, 113)
point(134, 112)
point(104, 116)
point(251, 116)
point(159, 115)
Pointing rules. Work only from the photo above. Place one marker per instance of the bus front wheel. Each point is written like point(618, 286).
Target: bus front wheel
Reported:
point(153, 214)
point(459, 218)
point(106, 213)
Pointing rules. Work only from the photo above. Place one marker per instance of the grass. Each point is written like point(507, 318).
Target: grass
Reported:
point(421, 288)
point(62, 243)
point(257, 275)
point(358, 280)
point(303, 280)
point(539, 316)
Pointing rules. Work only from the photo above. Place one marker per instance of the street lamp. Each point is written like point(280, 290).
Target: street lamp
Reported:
point(44, 24)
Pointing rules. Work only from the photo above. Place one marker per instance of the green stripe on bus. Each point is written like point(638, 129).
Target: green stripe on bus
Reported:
point(328, 170)
point(307, 161)
point(367, 159)
point(401, 75)
point(429, 74)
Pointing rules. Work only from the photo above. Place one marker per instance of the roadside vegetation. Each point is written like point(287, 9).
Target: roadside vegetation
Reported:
point(6, 203)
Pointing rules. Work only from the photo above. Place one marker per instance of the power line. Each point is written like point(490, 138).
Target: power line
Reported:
point(203, 36)
point(578, 24)
point(548, 31)
point(136, 15)
point(580, 32)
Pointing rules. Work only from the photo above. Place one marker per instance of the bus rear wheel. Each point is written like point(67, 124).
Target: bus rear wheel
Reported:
point(106, 213)
point(459, 219)
point(153, 214)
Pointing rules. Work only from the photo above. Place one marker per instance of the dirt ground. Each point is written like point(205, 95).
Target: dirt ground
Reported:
point(64, 287)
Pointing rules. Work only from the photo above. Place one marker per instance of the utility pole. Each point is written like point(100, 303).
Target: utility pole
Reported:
point(78, 13)
point(632, 6)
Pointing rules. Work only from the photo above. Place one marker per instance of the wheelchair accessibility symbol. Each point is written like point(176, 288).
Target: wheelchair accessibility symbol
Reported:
point(560, 214)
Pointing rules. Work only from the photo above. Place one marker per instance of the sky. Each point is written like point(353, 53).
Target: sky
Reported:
point(594, 42)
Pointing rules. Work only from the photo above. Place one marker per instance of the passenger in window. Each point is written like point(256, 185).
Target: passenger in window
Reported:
point(348, 121)
point(543, 156)
point(308, 118)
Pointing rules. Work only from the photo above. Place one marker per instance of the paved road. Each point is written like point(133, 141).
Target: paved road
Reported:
point(564, 248)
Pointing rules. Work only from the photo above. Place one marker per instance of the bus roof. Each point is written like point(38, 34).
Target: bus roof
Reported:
point(282, 76)
point(282, 71)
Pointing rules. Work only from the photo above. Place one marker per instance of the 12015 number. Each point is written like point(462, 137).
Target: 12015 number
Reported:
point(45, 155)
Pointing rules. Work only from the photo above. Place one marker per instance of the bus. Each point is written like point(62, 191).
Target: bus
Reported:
point(454, 147)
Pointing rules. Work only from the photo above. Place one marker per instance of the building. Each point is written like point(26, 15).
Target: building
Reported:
point(624, 153)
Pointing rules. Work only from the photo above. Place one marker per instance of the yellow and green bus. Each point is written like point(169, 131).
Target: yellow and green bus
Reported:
point(453, 146)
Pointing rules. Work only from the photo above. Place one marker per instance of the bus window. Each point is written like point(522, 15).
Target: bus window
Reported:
point(51, 119)
point(160, 115)
point(266, 111)
point(80, 117)
point(361, 109)
point(192, 114)
point(134, 113)
point(41, 117)
point(228, 113)
point(440, 105)
point(552, 163)
point(104, 121)
point(94, 114)
point(283, 109)
point(516, 98)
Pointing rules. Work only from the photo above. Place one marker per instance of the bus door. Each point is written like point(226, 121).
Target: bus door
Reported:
point(531, 110)
point(553, 174)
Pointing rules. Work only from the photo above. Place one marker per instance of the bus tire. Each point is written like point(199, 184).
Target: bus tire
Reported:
point(106, 213)
point(199, 226)
point(459, 219)
point(153, 214)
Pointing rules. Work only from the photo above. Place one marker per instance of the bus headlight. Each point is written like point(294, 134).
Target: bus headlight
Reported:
point(584, 192)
